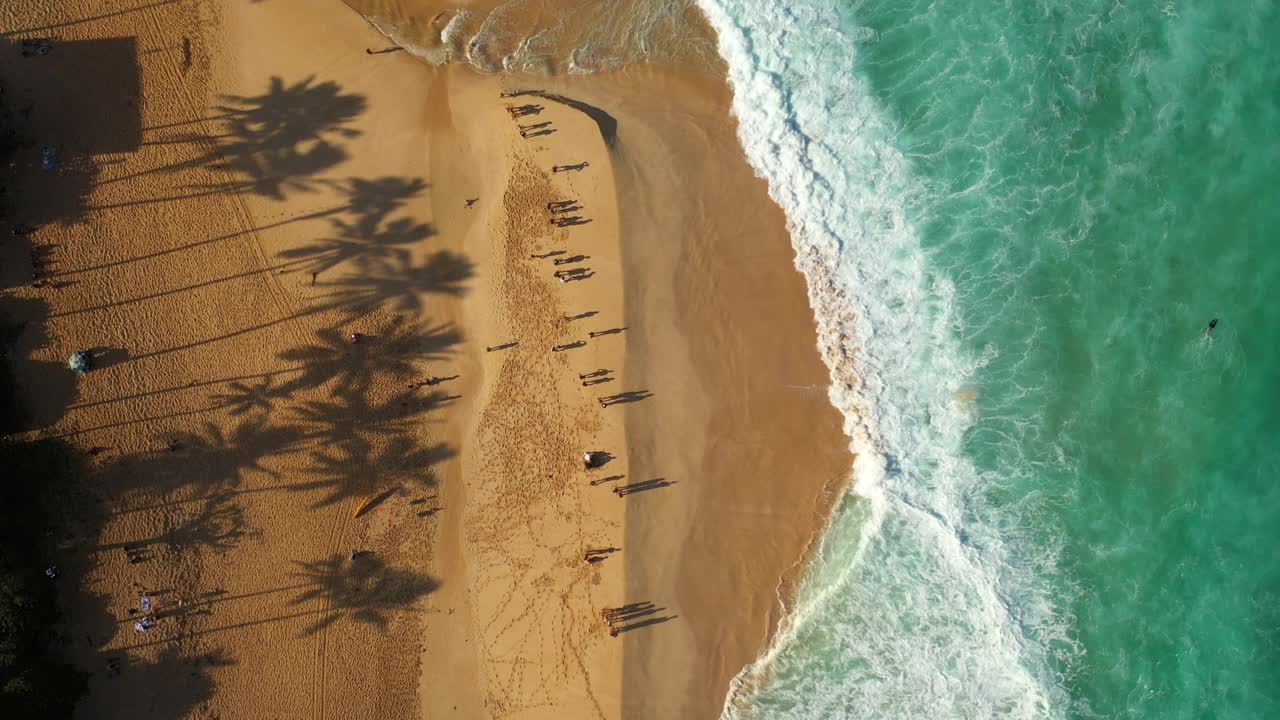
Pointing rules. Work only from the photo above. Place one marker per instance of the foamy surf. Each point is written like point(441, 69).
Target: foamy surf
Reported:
point(580, 36)
point(913, 606)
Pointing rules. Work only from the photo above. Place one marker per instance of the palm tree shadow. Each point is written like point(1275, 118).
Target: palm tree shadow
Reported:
point(369, 203)
point(130, 688)
point(354, 469)
point(244, 397)
point(215, 460)
point(398, 284)
point(217, 523)
point(352, 414)
point(363, 588)
point(270, 144)
point(393, 353)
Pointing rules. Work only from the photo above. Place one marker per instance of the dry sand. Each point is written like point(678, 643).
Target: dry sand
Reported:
point(249, 447)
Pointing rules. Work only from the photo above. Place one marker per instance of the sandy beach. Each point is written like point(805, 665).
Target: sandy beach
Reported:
point(271, 238)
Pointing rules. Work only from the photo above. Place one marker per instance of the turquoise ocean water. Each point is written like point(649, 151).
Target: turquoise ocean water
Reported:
point(1017, 218)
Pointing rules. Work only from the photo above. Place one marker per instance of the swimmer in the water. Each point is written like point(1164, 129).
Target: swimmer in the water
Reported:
point(1212, 324)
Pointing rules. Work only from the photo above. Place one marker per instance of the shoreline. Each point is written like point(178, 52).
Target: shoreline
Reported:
point(656, 195)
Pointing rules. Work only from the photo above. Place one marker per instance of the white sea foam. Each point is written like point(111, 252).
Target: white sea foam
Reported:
point(579, 36)
point(914, 606)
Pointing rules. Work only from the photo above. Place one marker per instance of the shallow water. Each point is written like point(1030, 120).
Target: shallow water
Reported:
point(1017, 219)
point(535, 36)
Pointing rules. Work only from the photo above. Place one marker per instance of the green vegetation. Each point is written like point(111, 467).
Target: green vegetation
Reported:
point(34, 681)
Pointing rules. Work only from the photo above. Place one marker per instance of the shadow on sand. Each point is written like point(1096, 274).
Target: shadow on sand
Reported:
point(323, 409)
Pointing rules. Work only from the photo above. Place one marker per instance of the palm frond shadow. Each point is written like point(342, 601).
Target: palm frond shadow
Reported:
point(216, 522)
point(272, 143)
point(397, 283)
point(222, 459)
point(355, 469)
point(219, 524)
point(393, 353)
point(245, 397)
point(352, 415)
point(367, 234)
point(363, 588)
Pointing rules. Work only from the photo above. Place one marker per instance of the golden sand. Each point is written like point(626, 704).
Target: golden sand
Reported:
point(324, 537)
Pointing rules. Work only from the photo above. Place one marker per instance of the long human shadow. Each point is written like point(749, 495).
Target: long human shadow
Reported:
point(629, 396)
point(644, 623)
point(642, 486)
point(363, 588)
point(268, 144)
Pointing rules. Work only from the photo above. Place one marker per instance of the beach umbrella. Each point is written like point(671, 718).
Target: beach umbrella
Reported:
point(79, 362)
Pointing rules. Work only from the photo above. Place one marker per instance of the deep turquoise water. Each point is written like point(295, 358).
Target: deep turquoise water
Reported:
point(1018, 218)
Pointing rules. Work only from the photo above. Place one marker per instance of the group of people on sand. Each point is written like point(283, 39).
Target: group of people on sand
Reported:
point(566, 213)
point(516, 112)
point(559, 214)
point(618, 617)
point(148, 620)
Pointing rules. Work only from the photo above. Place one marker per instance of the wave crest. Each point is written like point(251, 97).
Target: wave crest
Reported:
point(912, 607)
